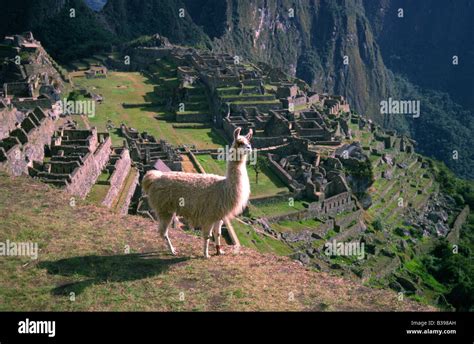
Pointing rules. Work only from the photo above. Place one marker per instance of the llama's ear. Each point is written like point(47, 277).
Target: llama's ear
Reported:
point(249, 135)
point(237, 132)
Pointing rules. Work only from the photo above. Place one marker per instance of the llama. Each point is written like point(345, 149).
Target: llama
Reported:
point(202, 199)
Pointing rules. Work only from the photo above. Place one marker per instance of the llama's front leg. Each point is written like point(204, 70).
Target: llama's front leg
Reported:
point(206, 236)
point(217, 231)
point(165, 221)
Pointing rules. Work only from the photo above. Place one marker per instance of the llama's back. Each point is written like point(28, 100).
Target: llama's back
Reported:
point(197, 197)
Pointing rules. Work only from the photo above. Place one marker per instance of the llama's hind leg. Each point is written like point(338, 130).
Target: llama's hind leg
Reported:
point(206, 236)
point(217, 231)
point(164, 223)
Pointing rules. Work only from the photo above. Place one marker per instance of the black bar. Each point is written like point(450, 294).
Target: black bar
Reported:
point(296, 327)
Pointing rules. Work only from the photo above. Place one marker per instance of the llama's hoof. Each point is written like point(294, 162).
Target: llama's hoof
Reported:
point(219, 250)
point(174, 252)
point(207, 256)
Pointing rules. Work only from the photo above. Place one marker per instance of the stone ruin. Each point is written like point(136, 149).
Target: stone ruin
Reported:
point(77, 158)
point(145, 150)
point(24, 137)
point(35, 81)
point(320, 180)
point(117, 170)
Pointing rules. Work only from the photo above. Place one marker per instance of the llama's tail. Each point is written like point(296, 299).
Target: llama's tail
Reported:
point(149, 178)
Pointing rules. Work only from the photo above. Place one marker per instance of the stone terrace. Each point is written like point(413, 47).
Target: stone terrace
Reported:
point(25, 144)
point(77, 159)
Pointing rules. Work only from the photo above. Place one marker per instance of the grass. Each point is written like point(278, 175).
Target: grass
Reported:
point(134, 88)
point(416, 267)
point(268, 183)
point(82, 251)
point(280, 207)
point(249, 238)
point(210, 165)
point(262, 102)
point(295, 226)
point(98, 193)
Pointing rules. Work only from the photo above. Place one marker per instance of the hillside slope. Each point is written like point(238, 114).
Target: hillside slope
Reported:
point(82, 251)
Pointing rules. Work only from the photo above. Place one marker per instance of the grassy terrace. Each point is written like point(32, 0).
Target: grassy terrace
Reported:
point(231, 90)
point(248, 96)
point(295, 226)
point(134, 88)
point(262, 243)
point(268, 182)
point(386, 193)
point(98, 193)
point(127, 184)
point(276, 101)
point(281, 207)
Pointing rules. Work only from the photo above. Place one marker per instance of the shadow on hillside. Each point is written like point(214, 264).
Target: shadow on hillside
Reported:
point(102, 269)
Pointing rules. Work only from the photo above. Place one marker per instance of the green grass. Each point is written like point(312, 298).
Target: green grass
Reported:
point(295, 226)
point(134, 88)
point(301, 107)
point(276, 101)
point(98, 193)
point(280, 207)
point(249, 238)
point(245, 96)
point(268, 182)
point(416, 267)
point(212, 166)
point(103, 177)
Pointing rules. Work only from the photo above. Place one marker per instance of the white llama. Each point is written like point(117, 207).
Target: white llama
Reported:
point(202, 199)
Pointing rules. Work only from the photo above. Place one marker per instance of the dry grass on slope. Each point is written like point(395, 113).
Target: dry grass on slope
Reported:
point(82, 254)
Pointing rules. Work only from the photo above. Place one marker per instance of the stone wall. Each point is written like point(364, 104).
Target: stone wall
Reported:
point(284, 176)
point(265, 142)
point(308, 235)
point(351, 232)
point(9, 117)
point(299, 215)
point(17, 158)
point(131, 191)
point(263, 107)
point(344, 221)
point(143, 55)
point(84, 177)
point(338, 203)
point(121, 170)
point(453, 236)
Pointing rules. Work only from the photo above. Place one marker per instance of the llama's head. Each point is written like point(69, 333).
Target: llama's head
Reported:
point(241, 146)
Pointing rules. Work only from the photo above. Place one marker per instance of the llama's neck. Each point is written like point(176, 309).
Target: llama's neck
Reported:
point(236, 172)
point(237, 183)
